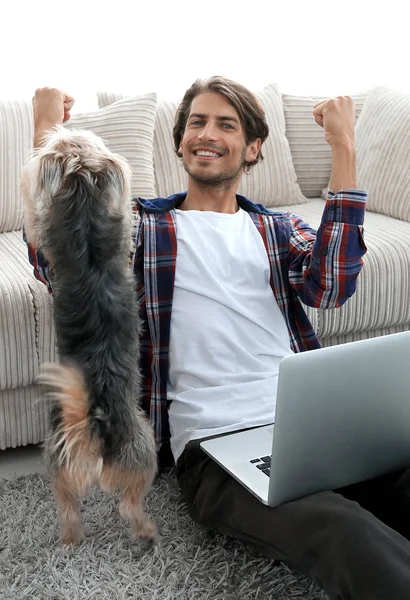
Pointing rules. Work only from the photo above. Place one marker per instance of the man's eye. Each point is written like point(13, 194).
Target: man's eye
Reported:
point(227, 126)
point(197, 122)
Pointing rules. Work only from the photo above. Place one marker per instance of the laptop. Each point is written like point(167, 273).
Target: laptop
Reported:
point(342, 416)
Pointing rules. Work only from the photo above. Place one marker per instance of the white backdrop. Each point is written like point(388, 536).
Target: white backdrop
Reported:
point(307, 47)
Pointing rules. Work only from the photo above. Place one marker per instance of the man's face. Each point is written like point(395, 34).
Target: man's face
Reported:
point(213, 146)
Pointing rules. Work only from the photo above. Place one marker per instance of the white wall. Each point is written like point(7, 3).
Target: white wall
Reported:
point(312, 47)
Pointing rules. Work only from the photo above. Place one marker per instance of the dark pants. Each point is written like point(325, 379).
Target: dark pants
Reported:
point(352, 542)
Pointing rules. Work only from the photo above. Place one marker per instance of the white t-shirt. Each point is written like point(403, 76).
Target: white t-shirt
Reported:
point(227, 332)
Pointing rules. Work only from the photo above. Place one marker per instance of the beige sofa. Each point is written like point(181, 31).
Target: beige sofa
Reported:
point(292, 177)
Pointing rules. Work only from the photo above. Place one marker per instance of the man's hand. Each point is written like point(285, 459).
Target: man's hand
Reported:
point(50, 107)
point(337, 117)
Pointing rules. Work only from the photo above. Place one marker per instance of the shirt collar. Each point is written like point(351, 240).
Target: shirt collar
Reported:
point(162, 205)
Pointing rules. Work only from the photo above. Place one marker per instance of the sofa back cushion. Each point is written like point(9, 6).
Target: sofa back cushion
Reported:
point(170, 175)
point(127, 127)
point(16, 142)
point(383, 152)
point(271, 182)
point(310, 152)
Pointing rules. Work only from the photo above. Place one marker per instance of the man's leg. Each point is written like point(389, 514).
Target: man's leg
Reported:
point(387, 497)
point(350, 553)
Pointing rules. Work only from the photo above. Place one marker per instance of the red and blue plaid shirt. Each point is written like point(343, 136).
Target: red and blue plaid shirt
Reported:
point(319, 268)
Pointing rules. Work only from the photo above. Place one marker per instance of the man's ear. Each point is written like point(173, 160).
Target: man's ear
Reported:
point(252, 150)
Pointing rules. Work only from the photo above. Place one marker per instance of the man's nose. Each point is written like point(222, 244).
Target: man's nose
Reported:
point(209, 131)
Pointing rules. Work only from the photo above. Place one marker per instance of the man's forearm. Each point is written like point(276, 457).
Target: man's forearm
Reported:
point(39, 132)
point(51, 107)
point(343, 168)
point(37, 140)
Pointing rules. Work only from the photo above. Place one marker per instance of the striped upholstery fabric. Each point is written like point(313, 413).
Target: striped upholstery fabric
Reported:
point(107, 98)
point(170, 176)
point(16, 142)
point(310, 152)
point(355, 336)
point(272, 182)
point(18, 352)
point(382, 298)
point(23, 417)
point(127, 127)
point(383, 152)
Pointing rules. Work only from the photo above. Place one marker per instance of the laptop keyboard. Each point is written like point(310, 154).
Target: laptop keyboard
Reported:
point(263, 464)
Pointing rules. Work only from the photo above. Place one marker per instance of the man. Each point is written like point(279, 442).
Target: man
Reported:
point(220, 295)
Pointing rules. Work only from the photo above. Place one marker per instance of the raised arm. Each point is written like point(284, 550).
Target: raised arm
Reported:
point(51, 107)
point(324, 266)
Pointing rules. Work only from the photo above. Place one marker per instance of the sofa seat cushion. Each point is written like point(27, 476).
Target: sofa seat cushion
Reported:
point(46, 339)
point(18, 353)
point(382, 297)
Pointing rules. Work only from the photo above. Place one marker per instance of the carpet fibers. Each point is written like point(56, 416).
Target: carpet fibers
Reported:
point(189, 563)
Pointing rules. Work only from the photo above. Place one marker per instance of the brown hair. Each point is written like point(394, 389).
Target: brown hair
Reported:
point(249, 108)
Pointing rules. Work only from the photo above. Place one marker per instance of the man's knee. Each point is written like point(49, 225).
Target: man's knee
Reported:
point(360, 553)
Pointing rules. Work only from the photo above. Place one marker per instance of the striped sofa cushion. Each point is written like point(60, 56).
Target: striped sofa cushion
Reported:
point(16, 142)
point(18, 325)
point(170, 176)
point(310, 152)
point(383, 152)
point(127, 127)
point(273, 182)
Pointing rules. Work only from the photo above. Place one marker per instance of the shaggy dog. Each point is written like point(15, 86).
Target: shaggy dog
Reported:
point(78, 213)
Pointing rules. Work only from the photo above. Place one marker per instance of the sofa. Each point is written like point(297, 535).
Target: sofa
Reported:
point(293, 177)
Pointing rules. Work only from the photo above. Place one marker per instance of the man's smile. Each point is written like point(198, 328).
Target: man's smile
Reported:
point(204, 153)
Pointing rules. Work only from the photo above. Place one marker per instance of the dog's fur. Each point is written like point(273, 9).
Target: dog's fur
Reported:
point(78, 213)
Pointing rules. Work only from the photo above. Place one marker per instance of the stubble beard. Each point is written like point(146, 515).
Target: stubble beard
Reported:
point(222, 181)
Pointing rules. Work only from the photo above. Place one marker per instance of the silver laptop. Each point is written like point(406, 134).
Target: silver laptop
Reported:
point(342, 416)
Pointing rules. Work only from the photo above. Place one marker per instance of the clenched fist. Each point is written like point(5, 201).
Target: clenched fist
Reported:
point(337, 117)
point(50, 107)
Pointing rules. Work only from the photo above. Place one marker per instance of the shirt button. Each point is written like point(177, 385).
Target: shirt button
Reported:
point(324, 251)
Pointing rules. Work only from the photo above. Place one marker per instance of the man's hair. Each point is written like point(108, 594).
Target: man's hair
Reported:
point(249, 108)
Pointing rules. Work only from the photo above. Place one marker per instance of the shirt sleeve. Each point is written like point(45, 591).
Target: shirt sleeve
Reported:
point(41, 267)
point(324, 264)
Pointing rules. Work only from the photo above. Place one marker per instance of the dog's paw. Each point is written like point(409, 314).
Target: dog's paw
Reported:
point(72, 538)
point(143, 545)
point(146, 539)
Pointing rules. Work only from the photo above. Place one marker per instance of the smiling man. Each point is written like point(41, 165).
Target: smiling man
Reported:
point(220, 285)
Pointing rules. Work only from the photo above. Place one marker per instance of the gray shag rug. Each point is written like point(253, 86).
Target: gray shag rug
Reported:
point(189, 563)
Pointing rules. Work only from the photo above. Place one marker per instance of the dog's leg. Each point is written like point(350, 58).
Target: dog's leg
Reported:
point(68, 500)
point(133, 493)
point(134, 486)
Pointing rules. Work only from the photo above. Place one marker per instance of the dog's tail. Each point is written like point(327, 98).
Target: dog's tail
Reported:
point(71, 441)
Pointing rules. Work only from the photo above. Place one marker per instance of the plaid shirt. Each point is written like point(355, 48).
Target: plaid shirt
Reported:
point(319, 268)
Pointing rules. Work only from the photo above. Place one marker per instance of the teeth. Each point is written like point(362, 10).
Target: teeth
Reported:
point(205, 153)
